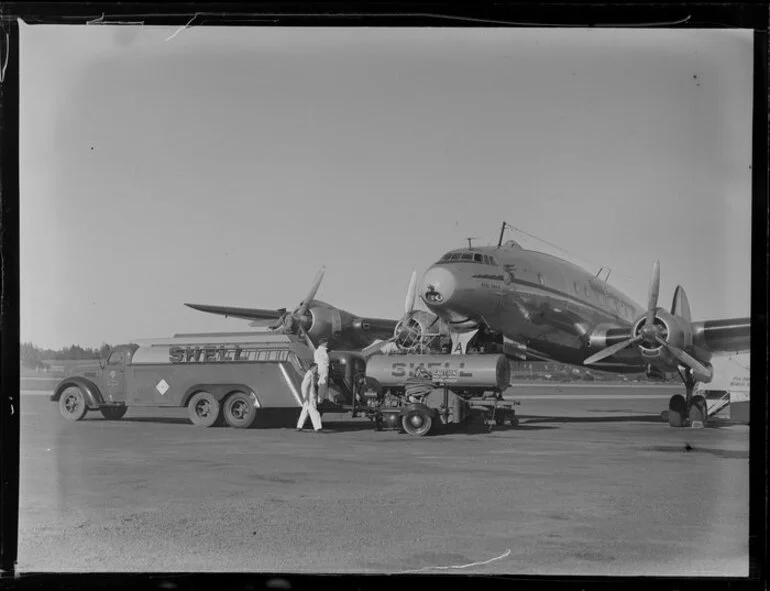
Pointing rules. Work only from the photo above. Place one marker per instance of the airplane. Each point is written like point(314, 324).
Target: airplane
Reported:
point(530, 305)
point(537, 306)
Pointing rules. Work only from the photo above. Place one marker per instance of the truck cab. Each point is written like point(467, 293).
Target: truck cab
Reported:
point(111, 379)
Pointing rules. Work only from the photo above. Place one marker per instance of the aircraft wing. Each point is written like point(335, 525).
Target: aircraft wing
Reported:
point(379, 325)
point(245, 313)
point(732, 335)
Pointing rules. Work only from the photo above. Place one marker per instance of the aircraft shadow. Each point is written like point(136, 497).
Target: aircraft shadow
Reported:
point(536, 419)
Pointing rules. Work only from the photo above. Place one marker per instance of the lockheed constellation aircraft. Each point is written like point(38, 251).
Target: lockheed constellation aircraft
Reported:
point(532, 305)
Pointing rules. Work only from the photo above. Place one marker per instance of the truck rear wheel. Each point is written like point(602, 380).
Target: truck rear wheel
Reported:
point(239, 410)
point(72, 403)
point(417, 422)
point(113, 413)
point(203, 409)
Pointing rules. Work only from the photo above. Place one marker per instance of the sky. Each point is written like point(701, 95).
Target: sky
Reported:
point(227, 165)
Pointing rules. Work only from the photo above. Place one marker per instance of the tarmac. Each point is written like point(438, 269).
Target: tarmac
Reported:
point(591, 482)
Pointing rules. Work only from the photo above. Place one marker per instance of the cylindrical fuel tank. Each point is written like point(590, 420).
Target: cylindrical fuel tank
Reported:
point(461, 371)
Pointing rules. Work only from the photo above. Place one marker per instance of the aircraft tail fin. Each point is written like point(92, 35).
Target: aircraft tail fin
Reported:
point(680, 306)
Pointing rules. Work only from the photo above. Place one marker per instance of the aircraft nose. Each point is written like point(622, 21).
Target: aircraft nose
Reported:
point(438, 285)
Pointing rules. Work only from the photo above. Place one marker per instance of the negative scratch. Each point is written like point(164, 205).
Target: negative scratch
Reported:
point(457, 566)
point(183, 27)
point(6, 51)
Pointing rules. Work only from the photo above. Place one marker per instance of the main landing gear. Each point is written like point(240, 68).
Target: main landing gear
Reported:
point(688, 410)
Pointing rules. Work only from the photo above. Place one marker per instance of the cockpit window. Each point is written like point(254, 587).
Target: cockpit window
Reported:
point(475, 257)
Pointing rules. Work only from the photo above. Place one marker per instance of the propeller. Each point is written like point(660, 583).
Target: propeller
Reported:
point(410, 303)
point(298, 317)
point(649, 331)
point(652, 333)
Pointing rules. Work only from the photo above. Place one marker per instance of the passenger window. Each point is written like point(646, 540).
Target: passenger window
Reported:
point(540, 279)
point(478, 258)
point(467, 256)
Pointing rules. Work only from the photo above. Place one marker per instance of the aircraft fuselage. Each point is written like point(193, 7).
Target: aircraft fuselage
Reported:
point(544, 303)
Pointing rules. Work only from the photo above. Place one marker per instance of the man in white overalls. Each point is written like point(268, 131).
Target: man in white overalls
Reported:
point(310, 401)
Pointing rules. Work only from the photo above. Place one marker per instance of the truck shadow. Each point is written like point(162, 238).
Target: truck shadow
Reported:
point(167, 420)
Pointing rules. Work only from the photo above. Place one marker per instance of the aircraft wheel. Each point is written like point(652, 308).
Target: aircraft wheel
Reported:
point(698, 411)
point(239, 410)
point(203, 410)
point(677, 409)
point(417, 422)
point(72, 404)
point(113, 413)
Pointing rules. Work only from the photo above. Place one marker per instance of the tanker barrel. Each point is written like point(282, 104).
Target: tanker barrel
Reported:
point(460, 371)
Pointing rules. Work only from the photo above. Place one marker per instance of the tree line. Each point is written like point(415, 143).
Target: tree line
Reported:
point(33, 357)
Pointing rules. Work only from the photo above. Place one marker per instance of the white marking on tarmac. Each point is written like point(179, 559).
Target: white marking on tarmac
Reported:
point(458, 566)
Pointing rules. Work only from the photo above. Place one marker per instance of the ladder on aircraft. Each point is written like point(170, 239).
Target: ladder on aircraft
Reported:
point(720, 404)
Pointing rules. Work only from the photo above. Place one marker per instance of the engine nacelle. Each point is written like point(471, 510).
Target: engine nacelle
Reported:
point(324, 323)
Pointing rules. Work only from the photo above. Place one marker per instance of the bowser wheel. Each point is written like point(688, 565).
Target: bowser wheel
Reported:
point(416, 422)
point(240, 410)
point(677, 409)
point(113, 413)
point(203, 410)
point(72, 404)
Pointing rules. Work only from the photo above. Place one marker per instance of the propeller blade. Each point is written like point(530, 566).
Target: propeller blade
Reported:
point(652, 300)
point(411, 294)
point(313, 290)
point(307, 338)
point(610, 351)
point(685, 358)
point(376, 347)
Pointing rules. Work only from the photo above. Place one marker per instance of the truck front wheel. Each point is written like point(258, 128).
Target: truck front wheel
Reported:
point(203, 409)
point(239, 410)
point(72, 404)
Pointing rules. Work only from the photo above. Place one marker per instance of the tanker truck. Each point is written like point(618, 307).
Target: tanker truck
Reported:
point(420, 394)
